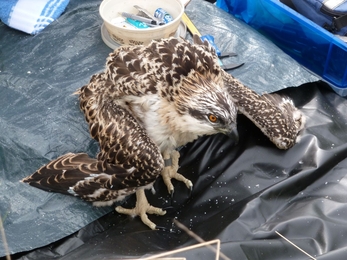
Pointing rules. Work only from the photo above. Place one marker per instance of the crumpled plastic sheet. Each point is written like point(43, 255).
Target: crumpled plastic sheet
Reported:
point(40, 120)
point(243, 193)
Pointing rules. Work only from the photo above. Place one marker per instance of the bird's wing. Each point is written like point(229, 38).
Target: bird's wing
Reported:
point(276, 116)
point(128, 158)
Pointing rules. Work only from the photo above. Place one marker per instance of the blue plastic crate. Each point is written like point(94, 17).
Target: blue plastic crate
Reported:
point(312, 46)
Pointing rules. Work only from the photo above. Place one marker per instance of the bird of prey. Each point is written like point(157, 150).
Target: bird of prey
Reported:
point(147, 102)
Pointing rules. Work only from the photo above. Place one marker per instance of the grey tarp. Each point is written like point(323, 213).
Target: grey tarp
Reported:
point(40, 119)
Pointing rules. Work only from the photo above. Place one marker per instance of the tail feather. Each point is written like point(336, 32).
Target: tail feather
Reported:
point(62, 173)
point(79, 175)
point(70, 161)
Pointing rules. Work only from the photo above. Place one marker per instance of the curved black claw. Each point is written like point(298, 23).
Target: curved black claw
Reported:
point(169, 209)
point(190, 191)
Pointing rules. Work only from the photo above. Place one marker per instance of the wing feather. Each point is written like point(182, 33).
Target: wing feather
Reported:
point(128, 158)
point(275, 115)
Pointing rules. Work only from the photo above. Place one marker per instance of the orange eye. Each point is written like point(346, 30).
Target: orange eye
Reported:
point(212, 118)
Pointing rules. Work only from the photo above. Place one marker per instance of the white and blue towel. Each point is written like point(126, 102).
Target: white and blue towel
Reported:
point(31, 16)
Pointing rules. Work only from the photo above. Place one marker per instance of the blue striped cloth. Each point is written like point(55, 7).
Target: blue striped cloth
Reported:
point(31, 16)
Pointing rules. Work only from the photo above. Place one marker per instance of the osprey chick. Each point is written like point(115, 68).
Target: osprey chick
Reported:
point(149, 101)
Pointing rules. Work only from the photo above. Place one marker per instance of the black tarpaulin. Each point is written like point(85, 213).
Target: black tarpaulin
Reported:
point(242, 193)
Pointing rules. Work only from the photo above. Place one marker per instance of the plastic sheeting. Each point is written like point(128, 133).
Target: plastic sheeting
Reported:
point(40, 120)
point(242, 193)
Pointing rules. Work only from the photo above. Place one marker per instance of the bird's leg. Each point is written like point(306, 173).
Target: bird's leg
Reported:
point(170, 171)
point(141, 209)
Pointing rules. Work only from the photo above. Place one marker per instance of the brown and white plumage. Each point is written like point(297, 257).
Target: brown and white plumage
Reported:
point(275, 115)
point(149, 101)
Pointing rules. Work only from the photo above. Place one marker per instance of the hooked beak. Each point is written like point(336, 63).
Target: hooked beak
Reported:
point(234, 135)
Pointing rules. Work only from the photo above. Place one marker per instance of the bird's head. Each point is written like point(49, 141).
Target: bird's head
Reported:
point(205, 106)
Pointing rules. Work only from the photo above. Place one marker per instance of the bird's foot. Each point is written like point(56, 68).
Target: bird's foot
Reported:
point(170, 172)
point(141, 209)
